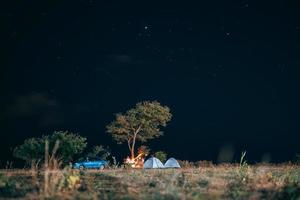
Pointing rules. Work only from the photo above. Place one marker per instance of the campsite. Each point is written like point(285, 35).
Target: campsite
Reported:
point(149, 100)
point(143, 176)
point(60, 166)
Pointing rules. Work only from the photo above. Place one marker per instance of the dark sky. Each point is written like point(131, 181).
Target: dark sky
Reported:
point(229, 71)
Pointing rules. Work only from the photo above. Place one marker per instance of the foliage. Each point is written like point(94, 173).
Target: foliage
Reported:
point(70, 144)
point(30, 151)
point(297, 159)
point(33, 149)
point(99, 151)
point(144, 149)
point(140, 123)
point(161, 155)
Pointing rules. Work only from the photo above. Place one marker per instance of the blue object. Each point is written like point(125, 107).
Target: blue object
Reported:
point(95, 164)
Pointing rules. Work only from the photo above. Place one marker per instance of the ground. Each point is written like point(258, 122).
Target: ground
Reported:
point(202, 182)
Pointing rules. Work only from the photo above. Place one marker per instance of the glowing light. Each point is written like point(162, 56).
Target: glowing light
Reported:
point(137, 162)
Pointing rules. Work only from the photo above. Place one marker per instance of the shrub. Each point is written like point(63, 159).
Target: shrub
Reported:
point(297, 159)
point(161, 155)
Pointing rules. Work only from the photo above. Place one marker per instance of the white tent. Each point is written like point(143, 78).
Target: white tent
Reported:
point(172, 163)
point(153, 163)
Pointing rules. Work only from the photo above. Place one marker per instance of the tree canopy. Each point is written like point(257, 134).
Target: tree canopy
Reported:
point(141, 123)
point(98, 151)
point(33, 149)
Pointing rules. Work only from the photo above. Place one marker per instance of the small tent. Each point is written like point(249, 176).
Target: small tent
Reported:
point(152, 163)
point(172, 163)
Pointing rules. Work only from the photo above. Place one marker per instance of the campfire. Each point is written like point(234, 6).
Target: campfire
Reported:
point(137, 162)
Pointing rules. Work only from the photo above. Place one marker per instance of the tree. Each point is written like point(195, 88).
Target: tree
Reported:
point(161, 155)
point(33, 149)
point(141, 123)
point(70, 144)
point(99, 151)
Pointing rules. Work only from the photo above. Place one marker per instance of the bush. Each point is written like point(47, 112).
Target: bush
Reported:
point(297, 159)
point(161, 155)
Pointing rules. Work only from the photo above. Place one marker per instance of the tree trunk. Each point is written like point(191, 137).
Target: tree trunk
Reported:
point(132, 153)
point(133, 142)
point(129, 145)
point(132, 147)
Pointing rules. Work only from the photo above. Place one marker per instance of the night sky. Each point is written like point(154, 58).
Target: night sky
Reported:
point(229, 71)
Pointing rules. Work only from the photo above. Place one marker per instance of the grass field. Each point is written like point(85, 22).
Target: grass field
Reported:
point(204, 182)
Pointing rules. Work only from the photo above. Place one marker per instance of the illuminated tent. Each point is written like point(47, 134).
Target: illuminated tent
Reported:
point(153, 163)
point(172, 163)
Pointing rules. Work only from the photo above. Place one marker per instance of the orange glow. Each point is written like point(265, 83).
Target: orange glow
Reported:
point(137, 162)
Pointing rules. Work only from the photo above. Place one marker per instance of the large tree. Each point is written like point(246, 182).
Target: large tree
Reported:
point(31, 151)
point(69, 145)
point(141, 123)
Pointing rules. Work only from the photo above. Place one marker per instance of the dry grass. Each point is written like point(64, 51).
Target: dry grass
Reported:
point(205, 182)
